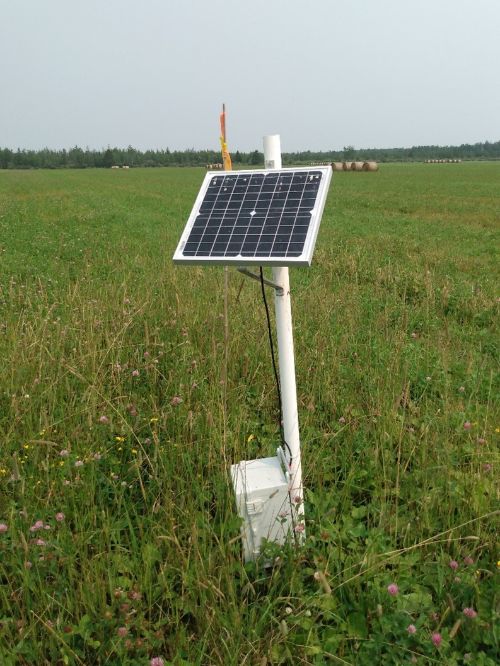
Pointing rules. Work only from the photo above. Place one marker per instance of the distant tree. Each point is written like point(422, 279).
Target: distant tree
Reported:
point(107, 161)
point(5, 158)
point(349, 152)
point(256, 158)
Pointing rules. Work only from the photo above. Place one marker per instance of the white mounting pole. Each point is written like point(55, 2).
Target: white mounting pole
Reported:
point(283, 309)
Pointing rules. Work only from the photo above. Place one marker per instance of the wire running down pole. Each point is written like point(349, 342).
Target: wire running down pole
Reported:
point(286, 359)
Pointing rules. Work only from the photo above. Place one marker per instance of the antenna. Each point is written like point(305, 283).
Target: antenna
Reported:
point(226, 157)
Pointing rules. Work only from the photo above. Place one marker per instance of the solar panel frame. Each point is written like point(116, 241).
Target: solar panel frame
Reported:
point(305, 257)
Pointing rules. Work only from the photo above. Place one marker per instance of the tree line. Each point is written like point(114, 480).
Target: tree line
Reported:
point(79, 158)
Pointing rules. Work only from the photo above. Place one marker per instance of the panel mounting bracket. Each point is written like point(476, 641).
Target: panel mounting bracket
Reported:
point(254, 276)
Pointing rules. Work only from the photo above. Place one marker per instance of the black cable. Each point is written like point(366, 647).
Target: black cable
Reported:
point(276, 377)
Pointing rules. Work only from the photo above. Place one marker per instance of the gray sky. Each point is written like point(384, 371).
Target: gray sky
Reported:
point(322, 73)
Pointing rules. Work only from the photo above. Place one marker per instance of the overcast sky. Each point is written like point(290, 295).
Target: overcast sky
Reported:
point(322, 73)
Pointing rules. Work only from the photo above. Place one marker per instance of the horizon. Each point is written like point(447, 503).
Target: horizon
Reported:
point(235, 150)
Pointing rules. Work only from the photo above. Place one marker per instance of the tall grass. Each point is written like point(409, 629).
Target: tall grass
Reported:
point(113, 413)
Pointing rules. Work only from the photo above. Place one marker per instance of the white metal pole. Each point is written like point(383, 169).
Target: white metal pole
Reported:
point(283, 309)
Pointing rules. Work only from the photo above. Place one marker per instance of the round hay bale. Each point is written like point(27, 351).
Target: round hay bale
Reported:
point(370, 166)
point(346, 166)
point(337, 166)
point(357, 166)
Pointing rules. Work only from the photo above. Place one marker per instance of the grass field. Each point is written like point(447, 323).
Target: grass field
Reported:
point(118, 535)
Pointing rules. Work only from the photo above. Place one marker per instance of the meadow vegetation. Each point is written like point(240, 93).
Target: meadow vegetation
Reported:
point(119, 541)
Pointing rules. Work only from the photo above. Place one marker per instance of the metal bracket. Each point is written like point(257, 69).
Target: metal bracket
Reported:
point(245, 271)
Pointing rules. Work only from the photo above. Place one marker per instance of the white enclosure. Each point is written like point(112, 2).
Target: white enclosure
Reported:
point(261, 488)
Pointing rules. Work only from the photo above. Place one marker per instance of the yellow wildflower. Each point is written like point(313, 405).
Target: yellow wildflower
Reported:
point(120, 439)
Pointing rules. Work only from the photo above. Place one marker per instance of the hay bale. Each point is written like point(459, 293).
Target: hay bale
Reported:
point(357, 166)
point(370, 166)
point(337, 166)
point(346, 166)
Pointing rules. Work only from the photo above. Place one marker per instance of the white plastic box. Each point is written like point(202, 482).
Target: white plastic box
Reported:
point(261, 488)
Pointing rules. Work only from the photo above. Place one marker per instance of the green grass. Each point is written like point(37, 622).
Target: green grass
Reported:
point(396, 343)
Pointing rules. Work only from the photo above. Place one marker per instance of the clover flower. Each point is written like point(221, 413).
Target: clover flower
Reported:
point(393, 589)
point(37, 526)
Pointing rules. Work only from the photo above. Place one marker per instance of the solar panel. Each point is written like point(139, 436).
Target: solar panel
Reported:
point(256, 217)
